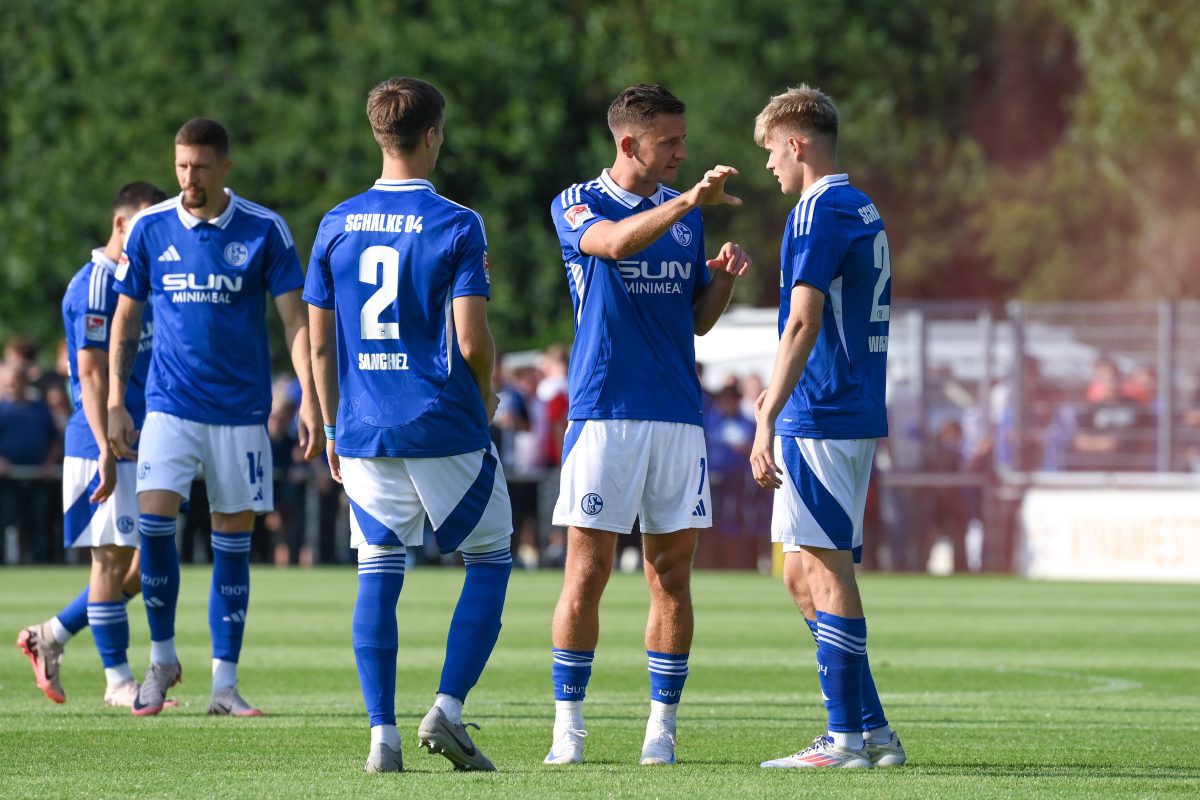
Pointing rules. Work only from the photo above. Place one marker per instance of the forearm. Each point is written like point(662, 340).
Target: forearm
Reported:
point(93, 393)
point(323, 363)
point(713, 301)
point(300, 349)
point(123, 349)
point(634, 234)
point(481, 359)
point(795, 344)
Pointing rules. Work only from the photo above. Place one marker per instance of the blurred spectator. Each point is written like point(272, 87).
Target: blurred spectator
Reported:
point(29, 440)
point(1141, 386)
point(20, 354)
point(552, 392)
point(512, 414)
point(286, 523)
point(946, 510)
point(752, 387)
point(729, 436)
point(1108, 431)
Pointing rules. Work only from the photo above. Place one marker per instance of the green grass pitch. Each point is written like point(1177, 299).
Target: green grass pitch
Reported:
point(999, 688)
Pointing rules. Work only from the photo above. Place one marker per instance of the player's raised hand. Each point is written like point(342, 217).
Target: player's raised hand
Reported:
point(108, 477)
point(732, 258)
point(121, 433)
point(710, 190)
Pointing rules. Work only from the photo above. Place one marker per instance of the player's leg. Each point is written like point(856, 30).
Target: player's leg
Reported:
point(675, 504)
point(237, 473)
point(43, 645)
point(110, 624)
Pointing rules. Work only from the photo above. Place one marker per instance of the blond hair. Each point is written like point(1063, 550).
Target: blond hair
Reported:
point(801, 109)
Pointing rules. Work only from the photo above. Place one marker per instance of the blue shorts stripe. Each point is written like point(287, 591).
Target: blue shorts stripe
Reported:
point(574, 428)
point(375, 532)
point(466, 515)
point(77, 518)
point(824, 507)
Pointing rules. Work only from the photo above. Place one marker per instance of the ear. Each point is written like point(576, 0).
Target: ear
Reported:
point(796, 146)
point(226, 166)
point(431, 136)
point(627, 146)
point(120, 224)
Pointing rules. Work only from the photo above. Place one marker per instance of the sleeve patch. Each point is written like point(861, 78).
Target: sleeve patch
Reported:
point(577, 215)
point(95, 327)
point(487, 275)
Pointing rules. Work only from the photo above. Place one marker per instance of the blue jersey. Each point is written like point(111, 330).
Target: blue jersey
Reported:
point(389, 262)
point(209, 280)
point(634, 355)
point(835, 242)
point(87, 310)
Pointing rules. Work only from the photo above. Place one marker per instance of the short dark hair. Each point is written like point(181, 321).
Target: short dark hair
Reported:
point(204, 132)
point(401, 110)
point(636, 107)
point(137, 195)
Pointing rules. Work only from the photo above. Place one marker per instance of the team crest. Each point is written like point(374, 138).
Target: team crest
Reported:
point(592, 503)
point(682, 233)
point(143, 470)
point(236, 254)
point(577, 215)
point(95, 327)
point(125, 523)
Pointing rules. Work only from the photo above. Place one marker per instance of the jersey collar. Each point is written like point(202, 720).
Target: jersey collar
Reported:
point(628, 198)
point(410, 185)
point(824, 183)
point(190, 221)
point(98, 257)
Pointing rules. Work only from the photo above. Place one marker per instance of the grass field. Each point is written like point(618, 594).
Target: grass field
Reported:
point(999, 688)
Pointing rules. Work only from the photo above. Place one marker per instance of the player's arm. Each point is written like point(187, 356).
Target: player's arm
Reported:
point(122, 354)
point(795, 343)
point(296, 332)
point(322, 341)
point(93, 394)
point(476, 344)
point(729, 265)
point(617, 240)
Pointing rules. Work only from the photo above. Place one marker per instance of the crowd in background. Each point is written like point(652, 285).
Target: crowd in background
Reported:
point(1107, 424)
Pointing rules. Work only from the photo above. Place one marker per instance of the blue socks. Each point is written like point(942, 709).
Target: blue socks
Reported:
point(229, 597)
point(380, 578)
point(570, 672)
point(74, 617)
point(476, 623)
point(841, 650)
point(668, 671)
point(872, 706)
point(110, 629)
point(160, 575)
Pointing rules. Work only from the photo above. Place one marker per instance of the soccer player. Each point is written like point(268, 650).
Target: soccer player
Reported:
point(822, 413)
point(641, 288)
point(99, 497)
point(209, 258)
point(397, 290)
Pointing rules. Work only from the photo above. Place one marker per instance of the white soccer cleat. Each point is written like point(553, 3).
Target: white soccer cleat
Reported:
point(659, 747)
point(888, 754)
point(443, 737)
point(822, 753)
point(567, 749)
point(384, 759)
point(122, 695)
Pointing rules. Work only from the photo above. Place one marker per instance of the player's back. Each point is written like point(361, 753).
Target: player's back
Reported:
point(391, 261)
point(835, 240)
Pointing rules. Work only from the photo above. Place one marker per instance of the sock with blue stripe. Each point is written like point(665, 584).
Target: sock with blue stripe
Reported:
point(668, 672)
point(160, 583)
point(376, 639)
point(812, 628)
point(72, 619)
point(110, 630)
point(874, 721)
point(475, 626)
point(841, 649)
point(228, 601)
point(570, 670)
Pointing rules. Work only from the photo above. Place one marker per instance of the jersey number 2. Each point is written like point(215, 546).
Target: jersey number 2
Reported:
point(376, 259)
point(881, 312)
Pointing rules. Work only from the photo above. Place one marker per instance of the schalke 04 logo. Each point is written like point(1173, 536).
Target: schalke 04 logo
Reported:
point(592, 503)
point(682, 233)
point(236, 254)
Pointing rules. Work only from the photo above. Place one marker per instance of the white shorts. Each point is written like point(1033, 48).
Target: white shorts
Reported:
point(824, 493)
point(462, 500)
point(112, 522)
point(236, 460)
point(616, 470)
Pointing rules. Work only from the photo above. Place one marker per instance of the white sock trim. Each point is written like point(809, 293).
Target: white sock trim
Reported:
point(115, 676)
point(385, 734)
point(61, 634)
point(163, 652)
point(224, 673)
point(450, 706)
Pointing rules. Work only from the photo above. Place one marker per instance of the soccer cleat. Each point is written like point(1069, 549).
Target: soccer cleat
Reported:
point(567, 749)
point(823, 753)
point(44, 652)
point(384, 759)
point(226, 702)
point(889, 754)
point(659, 748)
point(122, 694)
point(152, 694)
point(443, 737)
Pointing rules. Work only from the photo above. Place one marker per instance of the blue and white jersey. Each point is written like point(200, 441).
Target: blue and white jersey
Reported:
point(209, 281)
point(87, 310)
point(390, 262)
point(634, 355)
point(835, 242)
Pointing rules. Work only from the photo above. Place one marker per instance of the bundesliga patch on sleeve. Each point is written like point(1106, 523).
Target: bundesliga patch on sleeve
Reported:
point(577, 215)
point(95, 327)
point(122, 266)
point(487, 274)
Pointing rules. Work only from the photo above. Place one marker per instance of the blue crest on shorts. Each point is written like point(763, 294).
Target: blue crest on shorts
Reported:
point(592, 503)
point(143, 469)
point(125, 524)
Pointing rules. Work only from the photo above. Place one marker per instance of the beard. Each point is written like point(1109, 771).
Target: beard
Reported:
point(195, 197)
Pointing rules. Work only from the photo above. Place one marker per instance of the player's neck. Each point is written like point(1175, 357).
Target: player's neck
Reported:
point(815, 172)
point(404, 169)
point(630, 181)
point(216, 206)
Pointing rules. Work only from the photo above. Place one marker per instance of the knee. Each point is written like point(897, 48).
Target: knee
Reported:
point(670, 577)
point(584, 588)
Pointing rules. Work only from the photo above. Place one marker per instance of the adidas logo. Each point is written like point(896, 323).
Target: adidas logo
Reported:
point(170, 254)
point(237, 616)
point(154, 602)
point(700, 511)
